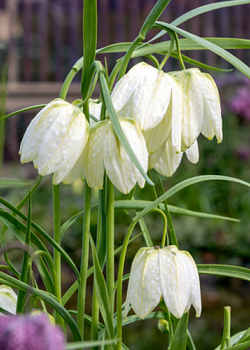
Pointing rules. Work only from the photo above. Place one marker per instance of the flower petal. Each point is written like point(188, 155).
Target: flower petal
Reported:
point(8, 299)
point(212, 121)
point(192, 153)
point(195, 292)
point(168, 161)
point(38, 128)
point(192, 110)
point(63, 142)
point(144, 290)
point(94, 154)
point(174, 278)
point(119, 167)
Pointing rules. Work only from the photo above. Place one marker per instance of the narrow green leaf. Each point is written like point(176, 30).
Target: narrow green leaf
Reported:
point(242, 346)
point(13, 183)
point(89, 42)
point(102, 293)
point(22, 110)
point(179, 341)
point(25, 265)
point(42, 232)
point(88, 344)
point(242, 67)
point(200, 10)
point(225, 270)
point(48, 298)
point(207, 8)
point(184, 184)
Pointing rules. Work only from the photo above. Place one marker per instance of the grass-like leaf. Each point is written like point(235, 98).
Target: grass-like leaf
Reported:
point(225, 270)
point(184, 184)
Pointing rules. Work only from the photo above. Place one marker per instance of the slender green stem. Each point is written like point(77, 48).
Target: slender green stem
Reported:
point(172, 38)
point(95, 305)
point(172, 233)
point(110, 243)
point(179, 51)
point(84, 261)
point(119, 283)
point(227, 328)
point(56, 253)
point(25, 266)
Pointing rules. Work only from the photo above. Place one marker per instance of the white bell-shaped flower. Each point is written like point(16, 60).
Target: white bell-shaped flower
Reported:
point(166, 161)
point(55, 139)
point(144, 94)
point(200, 109)
point(104, 152)
point(169, 273)
point(8, 299)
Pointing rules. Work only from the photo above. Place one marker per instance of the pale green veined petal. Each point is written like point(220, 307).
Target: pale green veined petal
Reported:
point(37, 130)
point(192, 110)
point(154, 157)
point(95, 110)
point(144, 291)
point(174, 280)
point(192, 153)
point(119, 167)
point(8, 299)
point(195, 293)
point(73, 174)
point(168, 161)
point(63, 142)
point(157, 136)
point(144, 95)
point(212, 122)
point(126, 86)
point(94, 159)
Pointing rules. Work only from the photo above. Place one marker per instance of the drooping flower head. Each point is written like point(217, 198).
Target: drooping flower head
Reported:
point(200, 109)
point(169, 273)
point(29, 332)
point(104, 152)
point(55, 139)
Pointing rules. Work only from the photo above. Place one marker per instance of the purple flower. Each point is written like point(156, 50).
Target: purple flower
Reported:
point(240, 104)
point(32, 332)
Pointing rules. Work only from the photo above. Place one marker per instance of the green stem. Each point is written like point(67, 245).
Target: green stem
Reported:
point(110, 243)
point(56, 253)
point(84, 261)
point(179, 51)
point(172, 38)
point(227, 328)
point(119, 284)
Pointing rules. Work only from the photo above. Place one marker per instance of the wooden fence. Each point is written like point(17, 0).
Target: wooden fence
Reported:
point(41, 39)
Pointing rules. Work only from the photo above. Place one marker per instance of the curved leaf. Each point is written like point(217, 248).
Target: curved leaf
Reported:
point(48, 298)
point(242, 67)
point(225, 270)
point(184, 184)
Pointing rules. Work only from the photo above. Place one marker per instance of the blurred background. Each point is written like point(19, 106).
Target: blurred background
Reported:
point(40, 40)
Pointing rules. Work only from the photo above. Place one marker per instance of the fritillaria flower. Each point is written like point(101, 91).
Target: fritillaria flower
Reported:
point(144, 94)
point(32, 332)
point(55, 139)
point(166, 160)
point(200, 109)
point(104, 152)
point(8, 299)
point(169, 273)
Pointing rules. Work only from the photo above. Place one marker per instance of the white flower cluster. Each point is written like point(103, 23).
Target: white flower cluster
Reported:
point(161, 115)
